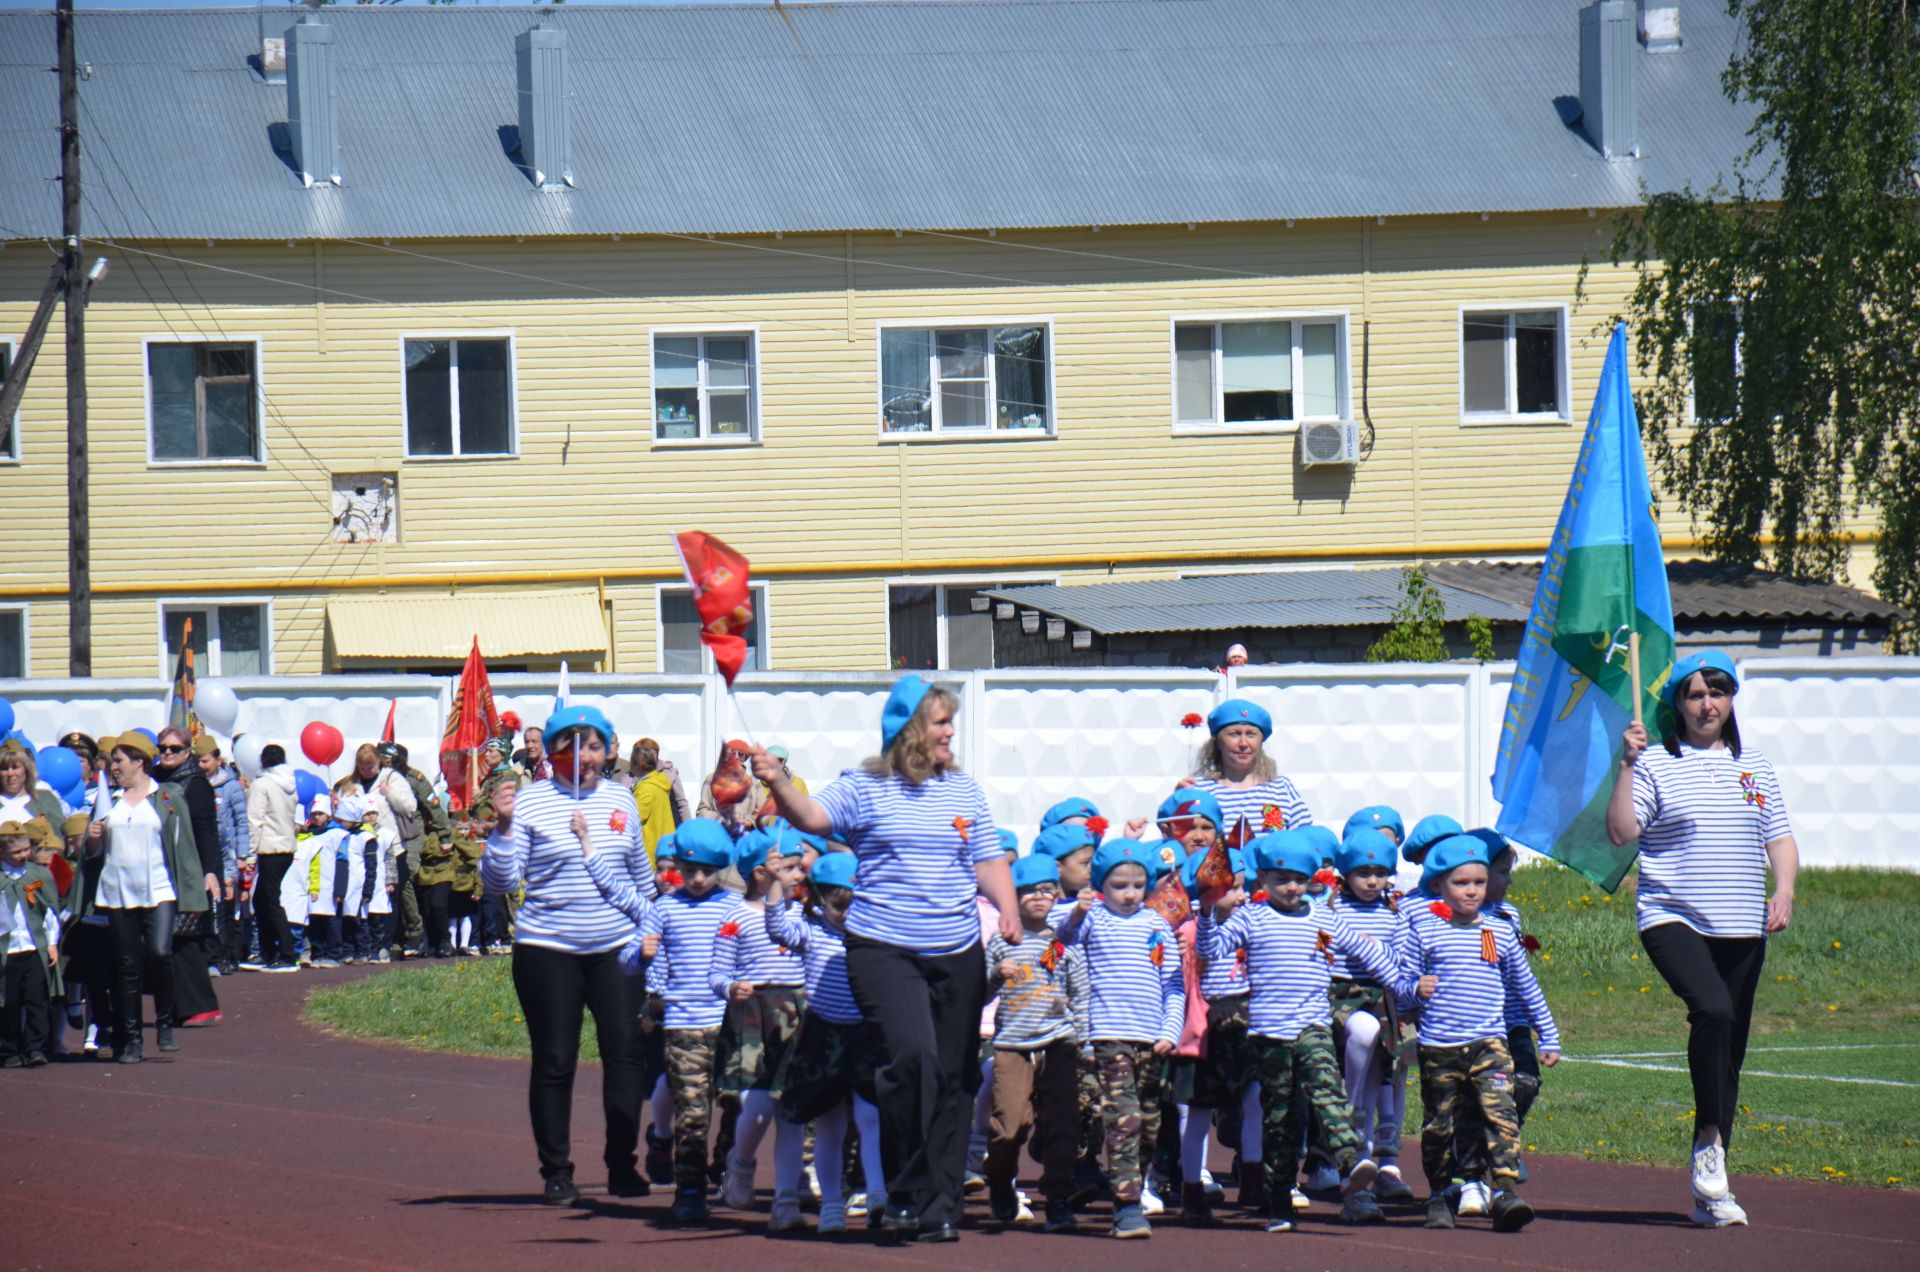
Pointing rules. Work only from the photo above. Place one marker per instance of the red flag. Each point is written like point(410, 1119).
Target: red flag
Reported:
point(1171, 901)
point(1240, 834)
point(470, 722)
point(1214, 873)
point(386, 734)
point(722, 596)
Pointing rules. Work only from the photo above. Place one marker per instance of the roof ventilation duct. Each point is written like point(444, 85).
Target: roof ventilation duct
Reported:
point(546, 132)
point(1609, 84)
point(313, 117)
point(1660, 25)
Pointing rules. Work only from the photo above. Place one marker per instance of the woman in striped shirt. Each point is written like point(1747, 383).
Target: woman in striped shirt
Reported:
point(567, 942)
point(1235, 767)
point(927, 847)
point(1710, 820)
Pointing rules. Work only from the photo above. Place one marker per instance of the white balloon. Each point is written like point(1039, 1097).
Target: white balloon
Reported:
point(246, 753)
point(216, 706)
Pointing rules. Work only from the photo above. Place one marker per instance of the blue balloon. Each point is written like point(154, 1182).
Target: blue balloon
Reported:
point(6, 716)
point(150, 735)
point(307, 787)
point(75, 796)
point(59, 767)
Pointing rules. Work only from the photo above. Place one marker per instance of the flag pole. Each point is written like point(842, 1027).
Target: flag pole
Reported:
point(1633, 670)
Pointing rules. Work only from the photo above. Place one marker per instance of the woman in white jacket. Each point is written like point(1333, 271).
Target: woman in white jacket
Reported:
point(271, 824)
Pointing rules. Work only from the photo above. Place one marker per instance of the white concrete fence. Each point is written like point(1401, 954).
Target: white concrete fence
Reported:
point(1843, 732)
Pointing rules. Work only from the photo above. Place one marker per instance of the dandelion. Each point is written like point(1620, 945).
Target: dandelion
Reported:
point(1645, 988)
point(1833, 1006)
point(1892, 1179)
point(1837, 945)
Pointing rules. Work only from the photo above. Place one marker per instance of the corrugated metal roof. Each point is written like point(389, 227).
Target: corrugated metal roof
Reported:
point(1701, 590)
point(942, 114)
point(1231, 602)
point(508, 625)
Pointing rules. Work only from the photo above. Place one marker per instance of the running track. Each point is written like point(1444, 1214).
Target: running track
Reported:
point(262, 1144)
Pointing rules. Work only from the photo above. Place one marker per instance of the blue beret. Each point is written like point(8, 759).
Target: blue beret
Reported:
point(1448, 855)
point(579, 717)
point(1190, 868)
point(1324, 842)
point(1377, 817)
point(788, 842)
point(702, 842)
point(1292, 850)
point(751, 849)
point(1192, 802)
point(1495, 841)
point(834, 870)
point(1120, 852)
point(1427, 832)
point(908, 693)
point(668, 849)
point(1009, 842)
point(1035, 868)
point(1166, 855)
point(1061, 841)
point(816, 842)
point(1705, 660)
point(1068, 808)
point(1240, 711)
point(1365, 847)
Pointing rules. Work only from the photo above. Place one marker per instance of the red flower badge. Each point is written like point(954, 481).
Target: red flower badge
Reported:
point(673, 879)
point(1530, 943)
point(730, 929)
point(961, 826)
point(617, 822)
point(1442, 910)
point(1260, 897)
point(1098, 827)
point(1326, 875)
point(1192, 720)
point(1273, 818)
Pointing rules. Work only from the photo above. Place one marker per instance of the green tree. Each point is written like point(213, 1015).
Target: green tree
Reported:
point(1778, 324)
point(1418, 632)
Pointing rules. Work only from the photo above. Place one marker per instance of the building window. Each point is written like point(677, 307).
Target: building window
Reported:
point(703, 388)
point(1716, 359)
point(9, 427)
point(1513, 364)
point(228, 640)
point(941, 626)
point(1268, 371)
point(203, 402)
point(681, 652)
point(965, 380)
point(13, 642)
point(459, 396)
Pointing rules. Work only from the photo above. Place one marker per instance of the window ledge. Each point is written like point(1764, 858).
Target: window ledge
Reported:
point(458, 459)
point(1508, 421)
point(971, 435)
point(705, 443)
point(206, 463)
point(1281, 429)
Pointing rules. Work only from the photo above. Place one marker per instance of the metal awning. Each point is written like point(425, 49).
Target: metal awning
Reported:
point(508, 625)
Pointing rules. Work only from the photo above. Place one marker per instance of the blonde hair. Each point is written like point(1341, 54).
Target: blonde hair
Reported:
point(911, 755)
point(16, 753)
point(1207, 764)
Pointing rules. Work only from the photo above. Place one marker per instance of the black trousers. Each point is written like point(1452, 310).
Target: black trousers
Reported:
point(192, 982)
point(434, 899)
point(276, 936)
point(26, 1016)
point(927, 1009)
point(142, 943)
point(1716, 979)
point(555, 990)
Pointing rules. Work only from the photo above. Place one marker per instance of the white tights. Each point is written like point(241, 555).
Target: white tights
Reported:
point(1195, 1129)
point(1377, 1096)
point(757, 1112)
point(829, 1140)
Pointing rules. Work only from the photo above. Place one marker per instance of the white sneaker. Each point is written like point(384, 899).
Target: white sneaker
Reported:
point(1324, 1177)
point(1724, 1213)
point(786, 1214)
point(833, 1218)
point(1300, 1200)
point(1025, 1212)
point(737, 1189)
point(1216, 1191)
point(1710, 1172)
point(1150, 1203)
point(856, 1205)
point(1475, 1198)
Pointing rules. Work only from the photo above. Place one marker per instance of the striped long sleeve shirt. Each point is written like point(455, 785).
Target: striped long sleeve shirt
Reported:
point(1037, 1002)
point(564, 908)
point(1290, 960)
point(1135, 989)
point(1274, 804)
point(687, 927)
point(742, 952)
point(1377, 919)
point(1480, 966)
point(824, 950)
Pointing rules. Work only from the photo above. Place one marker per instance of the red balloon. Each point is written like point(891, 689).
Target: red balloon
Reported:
point(322, 743)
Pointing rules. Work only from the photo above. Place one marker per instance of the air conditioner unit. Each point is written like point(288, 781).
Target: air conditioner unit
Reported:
point(1336, 442)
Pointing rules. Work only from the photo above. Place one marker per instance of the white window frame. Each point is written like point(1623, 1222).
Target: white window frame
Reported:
point(992, 432)
point(11, 455)
point(513, 397)
point(752, 336)
point(941, 582)
point(1563, 386)
point(259, 399)
point(212, 604)
point(762, 612)
point(26, 634)
point(1343, 377)
point(1739, 363)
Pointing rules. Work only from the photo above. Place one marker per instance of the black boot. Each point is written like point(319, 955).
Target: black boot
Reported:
point(1439, 1213)
point(128, 1052)
point(1253, 1186)
point(163, 1038)
point(1509, 1212)
point(1194, 1207)
point(560, 1190)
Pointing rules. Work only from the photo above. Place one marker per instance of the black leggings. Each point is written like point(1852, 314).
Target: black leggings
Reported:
point(434, 899)
point(927, 1009)
point(1716, 979)
point(554, 988)
point(276, 936)
point(142, 942)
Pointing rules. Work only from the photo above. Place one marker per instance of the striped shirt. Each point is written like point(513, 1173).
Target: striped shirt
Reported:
point(1274, 804)
point(1509, 914)
point(1289, 964)
point(1037, 1002)
point(828, 994)
point(918, 846)
point(1375, 918)
point(687, 928)
point(743, 952)
point(1136, 992)
point(1706, 818)
point(1470, 1004)
point(564, 909)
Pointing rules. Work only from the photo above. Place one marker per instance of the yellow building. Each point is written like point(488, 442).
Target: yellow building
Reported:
point(901, 300)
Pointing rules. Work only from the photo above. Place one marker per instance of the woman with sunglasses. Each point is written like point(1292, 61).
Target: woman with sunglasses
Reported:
point(195, 940)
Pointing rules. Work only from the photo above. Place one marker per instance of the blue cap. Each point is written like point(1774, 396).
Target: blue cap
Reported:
point(1061, 841)
point(1365, 846)
point(578, 717)
point(1192, 802)
point(1376, 817)
point(908, 693)
point(1448, 855)
point(1034, 868)
point(668, 849)
point(1120, 852)
point(1705, 660)
point(751, 849)
point(1292, 850)
point(1240, 711)
point(834, 870)
point(1167, 856)
point(1190, 868)
point(1009, 842)
point(1324, 842)
point(816, 842)
point(1496, 842)
point(1068, 808)
point(702, 842)
point(787, 842)
point(1427, 832)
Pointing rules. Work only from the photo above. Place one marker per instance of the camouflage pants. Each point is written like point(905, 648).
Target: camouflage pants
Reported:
point(1305, 1065)
point(756, 1036)
point(1469, 1144)
point(690, 1080)
point(1468, 1092)
point(1131, 1077)
point(1093, 1125)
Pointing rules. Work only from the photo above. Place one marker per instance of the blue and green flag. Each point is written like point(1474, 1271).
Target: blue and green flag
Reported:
point(1604, 578)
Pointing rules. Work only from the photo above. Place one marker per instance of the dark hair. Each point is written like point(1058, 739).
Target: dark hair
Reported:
point(400, 754)
point(1729, 733)
point(271, 754)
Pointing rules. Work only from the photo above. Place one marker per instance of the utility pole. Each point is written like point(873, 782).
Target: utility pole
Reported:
point(79, 575)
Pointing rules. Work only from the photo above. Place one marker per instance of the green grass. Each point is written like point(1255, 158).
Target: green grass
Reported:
point(1842, 975)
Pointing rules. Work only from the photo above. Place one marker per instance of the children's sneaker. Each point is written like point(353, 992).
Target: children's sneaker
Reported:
point(560, 1190)
point(1724, 1213)
point(1474, 1199)
point(1150, 1203)
point(1299, 1200)
point(1510, 1212)
point(659, 1159)
point(384, 956)
point(1360, 1207)
point(1216, 1191)
point(1024, 1214)
point(833, 1218)
point(1389, 1186)
point(1280, 1223)
point(856, 1205)
point(1003, 1203)
point(1360, 1177)
point(786, 1215)
point(737, 1189)
point(252, 965)
point(325, 962)
point(1439, 1212)
point(975, 1183)
point(280, 967)
point(1060, 1216)
point(1129, 1222)
point(36, 1059)
point(1323, 1177)
point(1709, 1172)
point(92, 1044)
point(690, 1206)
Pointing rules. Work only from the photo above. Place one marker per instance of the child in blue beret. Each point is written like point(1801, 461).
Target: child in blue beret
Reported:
point(1071, 847)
